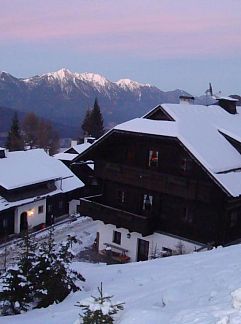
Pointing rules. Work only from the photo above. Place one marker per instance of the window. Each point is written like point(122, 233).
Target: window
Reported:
point(116, 237)
point(40, 209)
point(153, 158)
point(147, 202)
point(121, 196)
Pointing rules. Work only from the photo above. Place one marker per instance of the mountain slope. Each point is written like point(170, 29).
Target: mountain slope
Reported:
point(64, 96)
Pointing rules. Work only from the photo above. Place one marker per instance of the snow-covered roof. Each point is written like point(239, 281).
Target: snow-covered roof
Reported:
point(225, 98)
point(65, 156)
point(199, 129)
point(147, 126)
point(81, 147)
point(23, 168)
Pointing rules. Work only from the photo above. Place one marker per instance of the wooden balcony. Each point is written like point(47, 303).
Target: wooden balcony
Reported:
point(154, 181)
point(120, 218)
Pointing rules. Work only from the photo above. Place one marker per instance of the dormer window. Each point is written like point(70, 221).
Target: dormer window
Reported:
point(153, 158)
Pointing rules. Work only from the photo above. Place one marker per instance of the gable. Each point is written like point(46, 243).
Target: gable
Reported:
point(198, 128)
point(236, 144)
point(158, 113)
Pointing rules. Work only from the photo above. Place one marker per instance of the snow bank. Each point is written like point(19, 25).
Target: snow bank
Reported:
point(198, 288)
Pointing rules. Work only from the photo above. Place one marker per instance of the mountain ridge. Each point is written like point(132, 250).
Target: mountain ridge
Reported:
point(64, 96)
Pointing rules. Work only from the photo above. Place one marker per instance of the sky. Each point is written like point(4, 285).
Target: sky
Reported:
point(167, 43)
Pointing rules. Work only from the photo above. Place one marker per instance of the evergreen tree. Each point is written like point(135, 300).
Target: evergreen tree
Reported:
point(41, 276)
point(28, 249)
point(93, 123)
point(97, 122)
point(15, 140)
point(99, 309)
point(15, 293)
point(54, 279)
point(86, 125)
point(44, 285)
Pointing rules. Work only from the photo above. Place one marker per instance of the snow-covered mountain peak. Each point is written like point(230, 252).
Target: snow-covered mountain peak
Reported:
point(130, 84)
point(94, 78)
point(61, 74)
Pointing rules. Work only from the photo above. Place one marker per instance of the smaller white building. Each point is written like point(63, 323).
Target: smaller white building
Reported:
point(35, 189)
point(123, 243)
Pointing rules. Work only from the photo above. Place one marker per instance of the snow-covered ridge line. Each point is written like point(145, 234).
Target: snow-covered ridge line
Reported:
point(64, 76)
point(127, 83)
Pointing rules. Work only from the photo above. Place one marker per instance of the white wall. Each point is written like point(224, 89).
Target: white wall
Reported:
point(156, 241)
point(73, 206)
point(35, 218)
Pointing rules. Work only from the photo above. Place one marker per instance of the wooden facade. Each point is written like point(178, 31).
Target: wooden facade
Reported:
point(162, 186)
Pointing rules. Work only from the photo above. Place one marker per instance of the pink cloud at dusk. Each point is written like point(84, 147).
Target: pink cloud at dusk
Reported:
point(135, 29)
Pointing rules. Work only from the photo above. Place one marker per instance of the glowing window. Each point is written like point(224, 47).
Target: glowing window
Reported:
point(153, 158)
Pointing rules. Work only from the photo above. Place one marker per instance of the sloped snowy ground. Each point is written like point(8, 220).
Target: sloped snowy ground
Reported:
point(84, 229)
point(188, 289)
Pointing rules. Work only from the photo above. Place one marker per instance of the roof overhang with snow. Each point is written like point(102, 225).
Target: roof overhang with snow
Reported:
point(24, 168)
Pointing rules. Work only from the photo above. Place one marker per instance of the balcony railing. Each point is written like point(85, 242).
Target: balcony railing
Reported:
point(151, 180)
point(120, 218)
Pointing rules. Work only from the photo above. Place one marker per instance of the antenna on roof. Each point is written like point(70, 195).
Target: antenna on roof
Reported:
point(209, 92)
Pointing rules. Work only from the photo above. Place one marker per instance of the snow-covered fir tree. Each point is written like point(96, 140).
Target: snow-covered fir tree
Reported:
point(28, 256)
point(17, 282)
point(54, 279)
point(15, 294)
point(99, 310)
point(41, 276)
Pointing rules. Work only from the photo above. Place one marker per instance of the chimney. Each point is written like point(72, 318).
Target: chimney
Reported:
point(187, 100)
point(73, 143)
point(3, 153)
point(89, 139)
